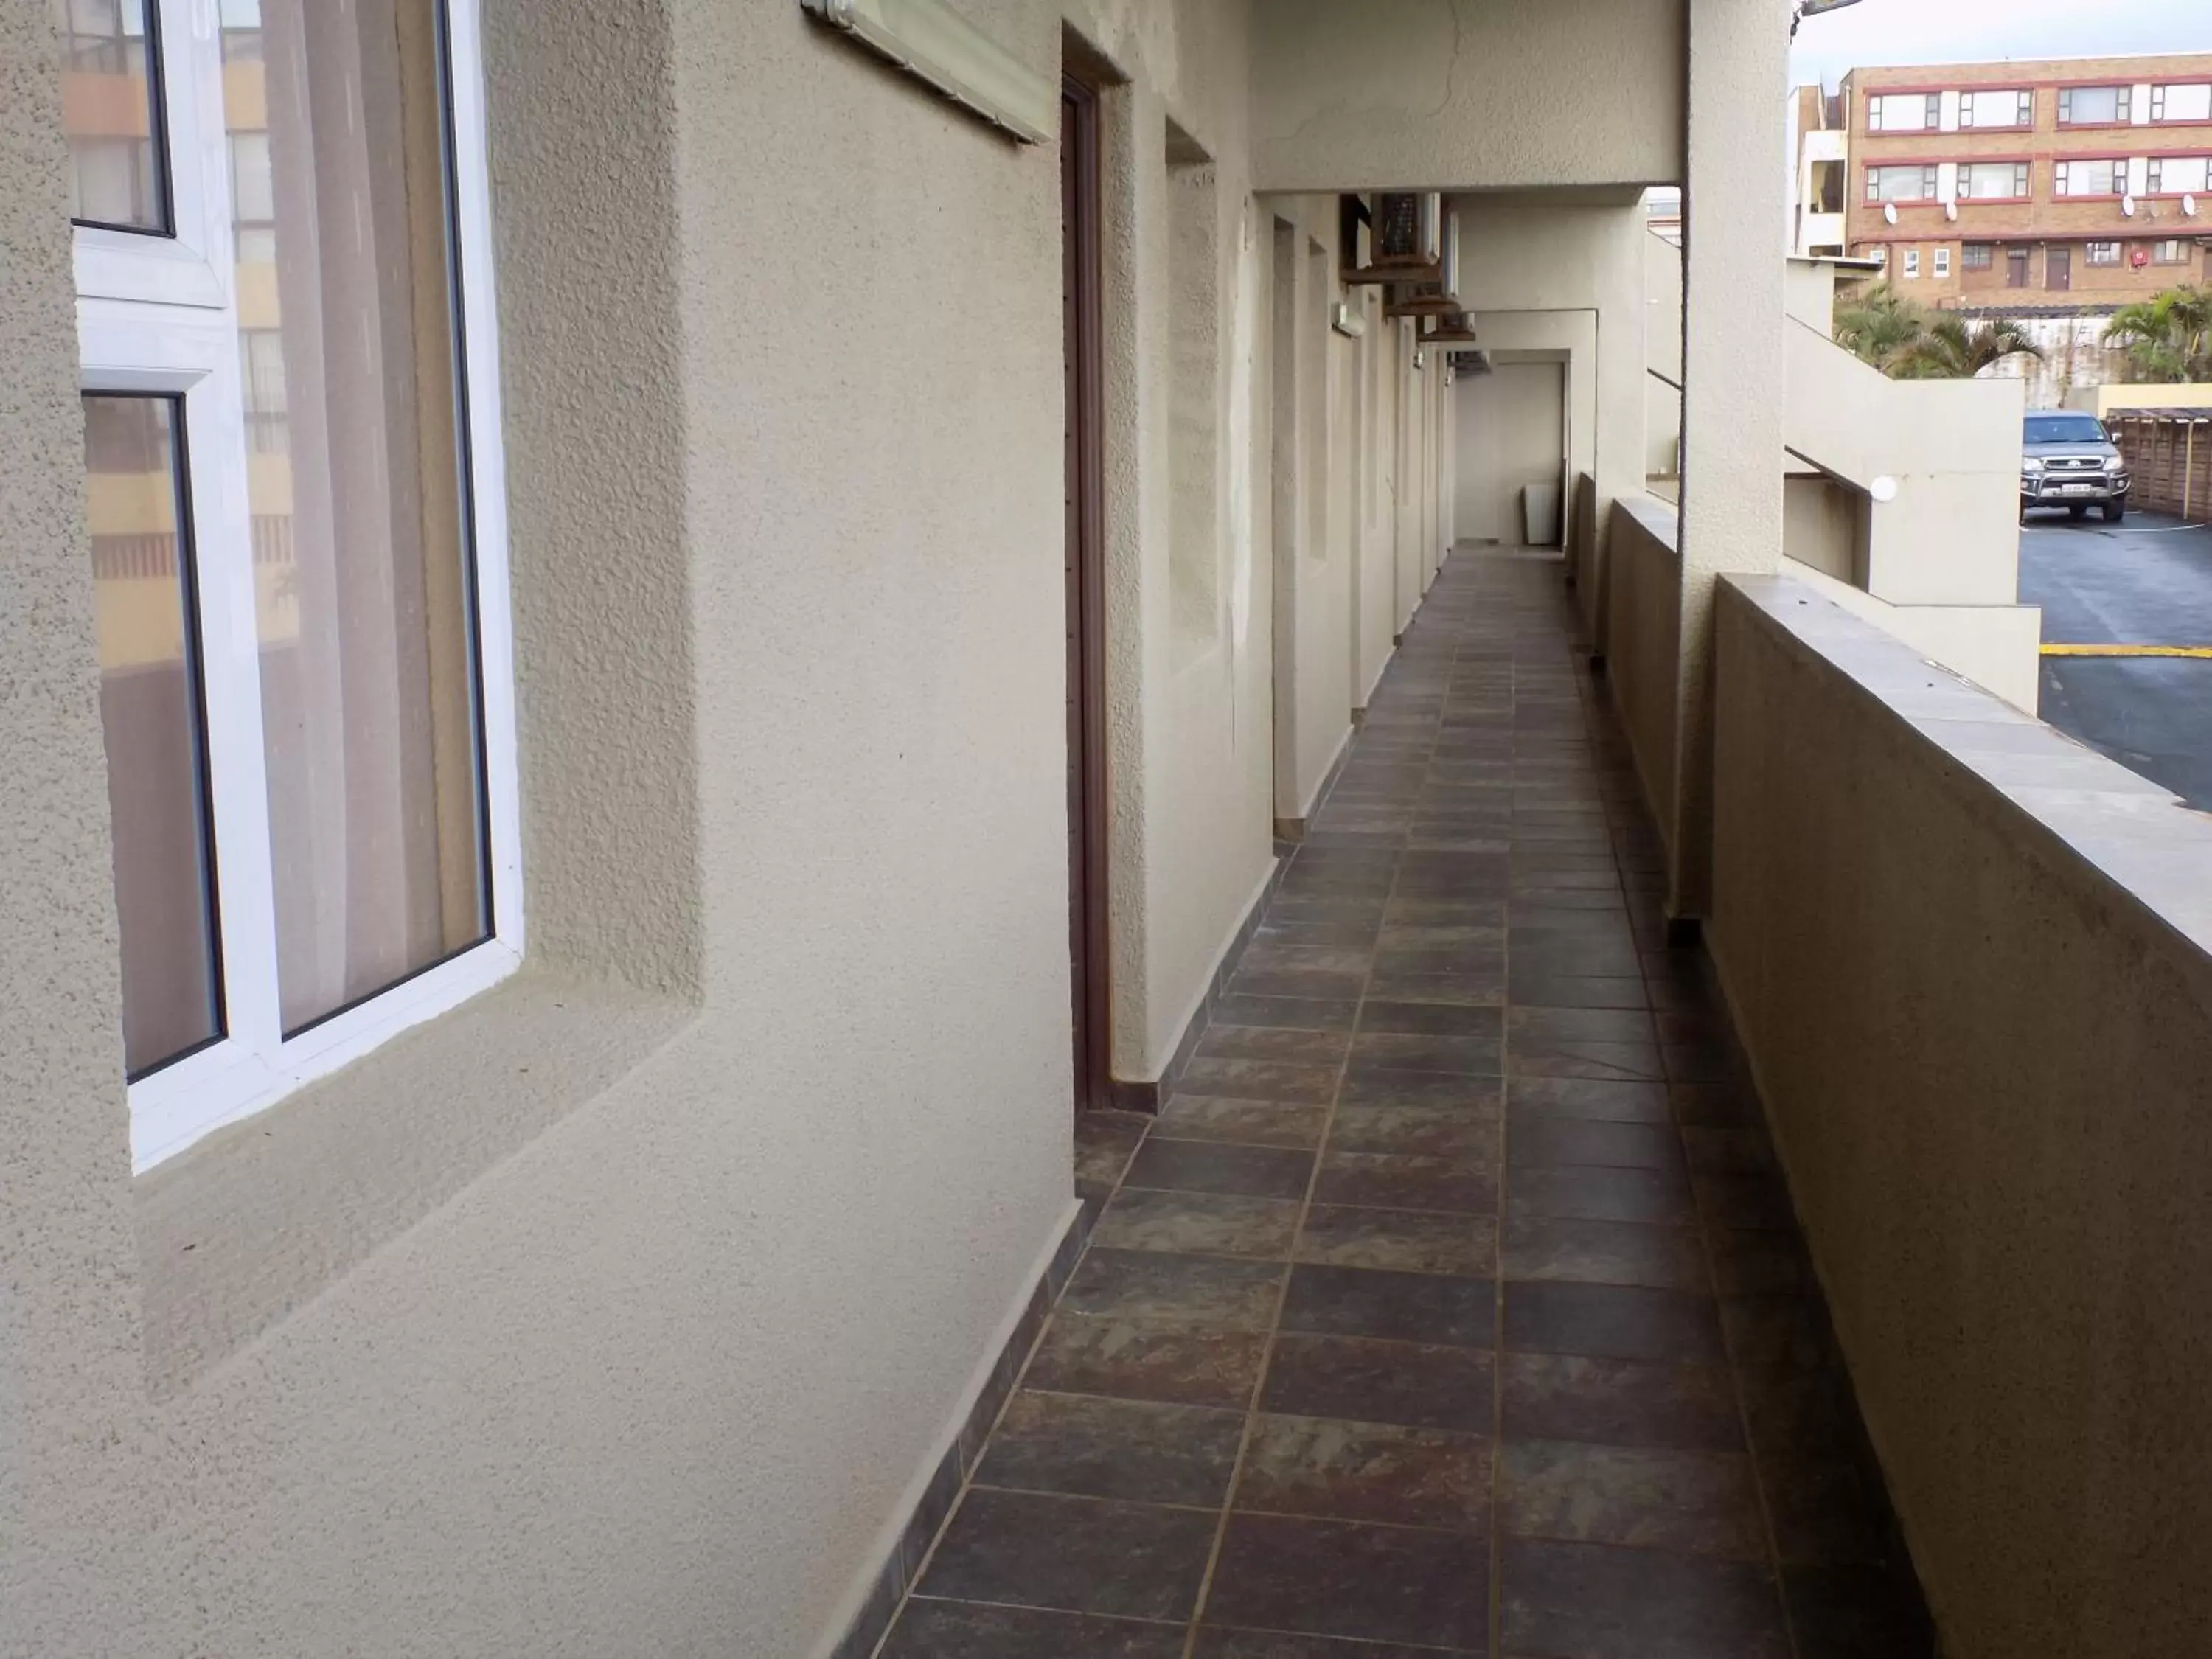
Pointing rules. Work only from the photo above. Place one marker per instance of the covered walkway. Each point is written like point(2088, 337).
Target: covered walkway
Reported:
point(1454, 1303)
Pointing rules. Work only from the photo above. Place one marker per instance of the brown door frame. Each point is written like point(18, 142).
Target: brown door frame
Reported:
point(1082, 285)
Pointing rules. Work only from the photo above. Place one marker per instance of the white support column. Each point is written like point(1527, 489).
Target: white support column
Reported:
point(1732, 373)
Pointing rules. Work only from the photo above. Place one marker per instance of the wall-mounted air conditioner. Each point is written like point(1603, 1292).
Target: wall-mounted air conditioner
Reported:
point(1402, 238)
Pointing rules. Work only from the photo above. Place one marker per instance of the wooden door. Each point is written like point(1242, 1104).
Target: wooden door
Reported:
point(1086, 571)
point(2058, 268)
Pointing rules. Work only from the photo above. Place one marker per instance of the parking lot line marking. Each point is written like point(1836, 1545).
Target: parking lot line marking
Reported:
point(2127, 650)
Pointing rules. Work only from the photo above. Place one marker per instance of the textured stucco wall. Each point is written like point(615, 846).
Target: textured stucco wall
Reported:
point(1643, 632)
point(1969, 960)
point(1733, 377)
point(1510, 433)
point(614, 1312)
point(1405, 94)
point(1570, 271)
point(1317, 583)
point(639, 1362)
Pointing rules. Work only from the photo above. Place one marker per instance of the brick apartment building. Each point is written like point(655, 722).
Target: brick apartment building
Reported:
point(2084, 183)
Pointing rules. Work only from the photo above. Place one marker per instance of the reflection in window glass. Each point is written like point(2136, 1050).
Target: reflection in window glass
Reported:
point(110, 115)
point(364, 589)
point(151, 713)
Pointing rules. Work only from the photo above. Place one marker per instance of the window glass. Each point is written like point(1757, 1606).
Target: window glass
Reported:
point(2170, 252)
point(2104, 253)
point(363, 574)
point(1988, 180)
point(2010, 108)
point(1942, 262)
point(2093, 105)
point(2179, 174)
point(144, 620)
point(1901, 184)
point(1913, 262)
point(2073, 178)
point(111, 115)
point(2182, 103)
point(1975, 255)
point(1904, 111)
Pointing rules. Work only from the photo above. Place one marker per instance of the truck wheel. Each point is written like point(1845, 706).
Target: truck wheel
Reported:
point(2115, 511)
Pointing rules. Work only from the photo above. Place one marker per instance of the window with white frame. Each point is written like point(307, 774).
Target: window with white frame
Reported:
point(1904, 112)
point(2082, 177)
point(2007, 107)
point(297, 517)
point(1914, 182)
point(2102, 253)
point(2189, 101)
point(1913, 264)
point(2178, 175)
point(1943, 260)
point(2093, 106)
point(1989, 181)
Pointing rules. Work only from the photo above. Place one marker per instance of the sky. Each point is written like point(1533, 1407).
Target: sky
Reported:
point(1877, 32)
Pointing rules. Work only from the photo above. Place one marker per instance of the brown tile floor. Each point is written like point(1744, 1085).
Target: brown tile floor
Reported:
point(1452, 1304)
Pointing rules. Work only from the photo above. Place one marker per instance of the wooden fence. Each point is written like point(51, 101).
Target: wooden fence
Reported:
point(2170, 453)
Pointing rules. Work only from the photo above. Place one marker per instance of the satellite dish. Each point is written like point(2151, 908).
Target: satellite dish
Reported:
point(1889, 212)
point(1951, 210)
point(2128, 206)
point(2189, 206)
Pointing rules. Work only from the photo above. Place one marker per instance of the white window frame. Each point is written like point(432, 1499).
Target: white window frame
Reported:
point(1931, 112)
point(2122, 98)
point(2160, 101)
point(1930, 184)
point(1913, 264)
point(2091, 257)
point(2022, 182)
point(2022, 107)
point(2062, 176)
point(158, 315)
point(1943, 259)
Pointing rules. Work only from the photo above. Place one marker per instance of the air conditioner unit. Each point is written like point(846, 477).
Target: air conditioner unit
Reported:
point(1409, 230)
point(1431, 296)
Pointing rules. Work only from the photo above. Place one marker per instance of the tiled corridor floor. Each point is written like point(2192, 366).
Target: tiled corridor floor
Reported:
point(1453, 1303)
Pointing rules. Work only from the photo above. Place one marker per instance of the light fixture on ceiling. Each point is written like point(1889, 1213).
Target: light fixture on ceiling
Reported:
point(1805, 9)
point(933, 43)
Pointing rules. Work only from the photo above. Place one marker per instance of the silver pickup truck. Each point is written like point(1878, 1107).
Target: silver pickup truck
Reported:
point(2068, 460)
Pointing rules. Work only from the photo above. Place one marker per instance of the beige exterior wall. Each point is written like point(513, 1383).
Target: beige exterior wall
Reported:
point(1511, 433)
point(1968, 959)
point(1643, 641)
point(2103, 400)
point(1464, 95)
point(620, 1310)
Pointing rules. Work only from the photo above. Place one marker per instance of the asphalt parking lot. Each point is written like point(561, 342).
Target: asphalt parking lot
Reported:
point(2145, 583)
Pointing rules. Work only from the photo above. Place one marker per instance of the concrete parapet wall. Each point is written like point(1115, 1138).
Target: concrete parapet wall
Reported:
point(1968, 959)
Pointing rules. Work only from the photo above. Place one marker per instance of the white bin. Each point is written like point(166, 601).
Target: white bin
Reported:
point(1540, 515)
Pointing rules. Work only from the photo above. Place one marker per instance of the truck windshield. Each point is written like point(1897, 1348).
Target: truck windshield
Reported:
point(2064, 429)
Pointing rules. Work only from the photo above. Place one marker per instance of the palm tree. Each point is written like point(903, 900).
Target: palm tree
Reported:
point(1952, 349)
point(2168, 338)
point(1879, 324)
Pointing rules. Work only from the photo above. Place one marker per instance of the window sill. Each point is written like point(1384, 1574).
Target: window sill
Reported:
point(263, 1215)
